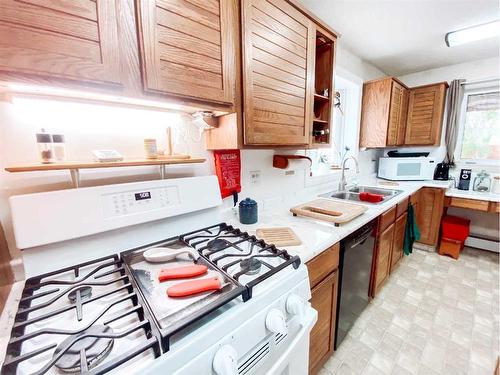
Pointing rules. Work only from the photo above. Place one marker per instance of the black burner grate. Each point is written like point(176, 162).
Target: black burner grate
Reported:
point(28, 305)
point(201, 241)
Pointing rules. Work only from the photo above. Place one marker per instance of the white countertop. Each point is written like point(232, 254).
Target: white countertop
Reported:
point(487, 196)
point(317, 236)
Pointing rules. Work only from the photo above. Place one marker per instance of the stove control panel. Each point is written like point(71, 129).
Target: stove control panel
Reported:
point(132, 202)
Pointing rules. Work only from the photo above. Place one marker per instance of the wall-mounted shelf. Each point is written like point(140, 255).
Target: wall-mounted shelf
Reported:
point(74, 167)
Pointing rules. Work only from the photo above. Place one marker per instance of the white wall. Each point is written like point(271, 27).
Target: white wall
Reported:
point(470, 71)
point(86, 127)
point(89, 126)
point(481, 224)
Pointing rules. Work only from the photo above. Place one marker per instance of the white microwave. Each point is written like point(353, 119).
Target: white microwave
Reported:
point(409, 169)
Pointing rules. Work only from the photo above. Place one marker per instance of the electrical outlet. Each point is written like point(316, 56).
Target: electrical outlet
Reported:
point(255, 177)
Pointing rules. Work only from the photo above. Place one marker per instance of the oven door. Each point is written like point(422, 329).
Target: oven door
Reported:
point(295, 358)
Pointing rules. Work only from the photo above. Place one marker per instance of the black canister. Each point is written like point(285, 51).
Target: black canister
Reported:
point(248, 211)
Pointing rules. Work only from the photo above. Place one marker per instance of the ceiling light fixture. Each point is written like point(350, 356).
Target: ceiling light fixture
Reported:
point(471, 34)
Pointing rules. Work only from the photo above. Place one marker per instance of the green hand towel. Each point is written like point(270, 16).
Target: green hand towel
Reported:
point(412, 233)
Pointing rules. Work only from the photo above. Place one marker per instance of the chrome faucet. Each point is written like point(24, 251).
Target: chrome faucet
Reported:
point(343, 182)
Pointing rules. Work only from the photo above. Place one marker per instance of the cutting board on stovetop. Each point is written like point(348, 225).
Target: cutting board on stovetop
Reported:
point(330, 210)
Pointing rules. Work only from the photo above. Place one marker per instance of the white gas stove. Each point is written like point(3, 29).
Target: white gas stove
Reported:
point(94, 300)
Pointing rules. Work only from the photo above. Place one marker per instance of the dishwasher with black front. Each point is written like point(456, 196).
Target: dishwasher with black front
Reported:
point(356, 253)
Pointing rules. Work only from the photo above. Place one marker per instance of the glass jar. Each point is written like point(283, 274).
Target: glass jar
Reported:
point(482, 182)
point(59, 147)
point(45, 147)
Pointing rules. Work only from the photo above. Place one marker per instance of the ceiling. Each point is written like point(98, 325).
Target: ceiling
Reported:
point(406, 36)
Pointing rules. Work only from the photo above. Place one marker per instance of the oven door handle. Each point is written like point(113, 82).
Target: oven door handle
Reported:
point(307, 322)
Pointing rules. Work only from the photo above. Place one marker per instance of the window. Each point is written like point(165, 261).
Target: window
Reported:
point(479, 132)
point(345, 128)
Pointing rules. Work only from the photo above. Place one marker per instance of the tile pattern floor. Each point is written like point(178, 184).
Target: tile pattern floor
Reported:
point(435, 315)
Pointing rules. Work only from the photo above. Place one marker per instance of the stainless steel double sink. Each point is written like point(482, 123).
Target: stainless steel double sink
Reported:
point(353, 194)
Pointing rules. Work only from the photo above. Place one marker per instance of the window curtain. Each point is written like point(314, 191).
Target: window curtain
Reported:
point(453, 105)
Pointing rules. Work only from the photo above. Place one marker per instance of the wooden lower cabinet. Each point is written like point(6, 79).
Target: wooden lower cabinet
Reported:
point(323, 300)
point(430, 210)
point(383, 257)
point(398, 242)
point(323, 277)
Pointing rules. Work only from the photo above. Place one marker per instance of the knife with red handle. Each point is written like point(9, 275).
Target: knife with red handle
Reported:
point(189, 288)
point(182, 272)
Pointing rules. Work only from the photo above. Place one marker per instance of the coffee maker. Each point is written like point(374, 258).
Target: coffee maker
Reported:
point(442, 172)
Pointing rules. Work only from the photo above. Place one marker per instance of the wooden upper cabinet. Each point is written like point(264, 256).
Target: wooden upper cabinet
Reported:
point(69, 39)
point(278, 73)
point(187, 48)
point(425, 114)
point(397, 115)
point(383, 114)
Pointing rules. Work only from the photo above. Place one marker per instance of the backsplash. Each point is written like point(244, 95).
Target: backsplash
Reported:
point(89, 126)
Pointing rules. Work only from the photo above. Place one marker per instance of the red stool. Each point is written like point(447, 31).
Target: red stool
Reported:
point(454, 231)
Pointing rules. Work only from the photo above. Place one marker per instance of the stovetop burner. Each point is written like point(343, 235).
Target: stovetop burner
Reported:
point(48, 337)
point(246, 259)
point(83, 292)
point(250, 266)
point(85, 353)
point(218, 244)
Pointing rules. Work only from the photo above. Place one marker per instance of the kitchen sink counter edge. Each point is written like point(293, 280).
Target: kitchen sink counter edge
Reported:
point(316, 235)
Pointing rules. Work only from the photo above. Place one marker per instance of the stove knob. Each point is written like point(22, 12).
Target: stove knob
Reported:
point(226, 361)
point(275, 321)
point(295, 304)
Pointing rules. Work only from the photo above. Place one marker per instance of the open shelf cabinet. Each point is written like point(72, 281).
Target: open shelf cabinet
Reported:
point(321, 127)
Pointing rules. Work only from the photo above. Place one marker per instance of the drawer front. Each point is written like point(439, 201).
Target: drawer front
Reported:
point(471, 204)
point(323, 264)
point(402, 207)
point(494, 207)
point(386, 219)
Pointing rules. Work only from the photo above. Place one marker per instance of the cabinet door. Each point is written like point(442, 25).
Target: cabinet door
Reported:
point(324, 300)
point(399, 237)
point(400, 140)
point(395, 113)
point(375, 109)
point(425, 115)
point(187, 48)
point(383, 257)
point(75, 40)
point(430, 210)
point(278, 68)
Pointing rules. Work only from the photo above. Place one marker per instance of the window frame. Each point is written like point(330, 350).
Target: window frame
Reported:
point(461, 128)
